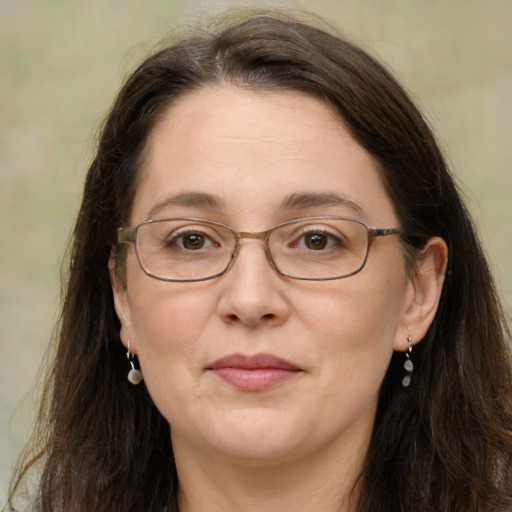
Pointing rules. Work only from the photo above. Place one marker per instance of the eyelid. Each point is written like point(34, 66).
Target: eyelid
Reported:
point(319, 228)
point(217, 235)
point(190, 229)
point(187, 228)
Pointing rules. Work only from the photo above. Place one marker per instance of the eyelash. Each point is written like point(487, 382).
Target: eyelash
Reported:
point(311, 231)
point(176, 238)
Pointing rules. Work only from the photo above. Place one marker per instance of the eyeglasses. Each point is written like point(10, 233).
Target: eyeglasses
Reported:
point(194, 249)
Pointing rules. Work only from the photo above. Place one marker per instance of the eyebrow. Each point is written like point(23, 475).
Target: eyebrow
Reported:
point(188, 199)
point(294, 201)
point(304, 200)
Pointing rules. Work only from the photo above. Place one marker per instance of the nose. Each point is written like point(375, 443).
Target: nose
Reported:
point(253, 289)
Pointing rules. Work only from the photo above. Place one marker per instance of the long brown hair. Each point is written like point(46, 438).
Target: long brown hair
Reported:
point(443, 444)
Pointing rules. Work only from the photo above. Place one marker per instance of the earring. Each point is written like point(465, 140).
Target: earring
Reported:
point(408, 366)
point(134, 375)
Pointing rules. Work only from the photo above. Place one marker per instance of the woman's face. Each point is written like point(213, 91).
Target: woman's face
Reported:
point(253, 160)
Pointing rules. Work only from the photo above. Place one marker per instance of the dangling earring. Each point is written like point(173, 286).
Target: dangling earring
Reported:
point(134, 375)
point(408, 366)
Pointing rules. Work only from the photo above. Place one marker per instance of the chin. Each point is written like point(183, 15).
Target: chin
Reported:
point(255, 436)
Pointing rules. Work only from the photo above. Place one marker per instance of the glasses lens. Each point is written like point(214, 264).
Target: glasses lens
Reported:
point(184, 249)
point(319, 248)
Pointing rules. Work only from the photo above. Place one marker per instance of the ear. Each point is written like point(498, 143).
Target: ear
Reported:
point(423, 293)
point(121, 303)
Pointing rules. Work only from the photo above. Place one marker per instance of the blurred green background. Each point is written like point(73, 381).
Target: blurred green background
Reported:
point(61, 62)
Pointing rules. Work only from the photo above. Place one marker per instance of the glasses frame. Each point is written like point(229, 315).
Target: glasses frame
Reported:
point(130, 235)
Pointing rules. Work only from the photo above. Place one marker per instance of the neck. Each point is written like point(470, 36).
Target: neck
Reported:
point(325, 480)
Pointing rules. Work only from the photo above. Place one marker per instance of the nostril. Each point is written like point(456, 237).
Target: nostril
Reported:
point(235, 318)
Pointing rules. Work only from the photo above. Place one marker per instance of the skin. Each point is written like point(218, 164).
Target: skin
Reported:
point(299, 444)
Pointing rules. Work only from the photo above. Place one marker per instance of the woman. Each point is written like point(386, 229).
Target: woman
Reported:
point(270, 238)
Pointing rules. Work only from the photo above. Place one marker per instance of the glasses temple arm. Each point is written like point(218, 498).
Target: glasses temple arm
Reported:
point(126, 235)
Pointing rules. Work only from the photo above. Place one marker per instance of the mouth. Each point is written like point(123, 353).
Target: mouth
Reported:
point(255, 372)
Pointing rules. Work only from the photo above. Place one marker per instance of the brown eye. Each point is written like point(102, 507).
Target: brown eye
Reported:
point(316, 241)
point(193, 241)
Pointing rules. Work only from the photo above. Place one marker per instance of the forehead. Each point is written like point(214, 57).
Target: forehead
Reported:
point(252, 150)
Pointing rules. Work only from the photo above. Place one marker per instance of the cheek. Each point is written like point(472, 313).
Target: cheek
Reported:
point(355, 322)
point(167, 320)
point(169, 324)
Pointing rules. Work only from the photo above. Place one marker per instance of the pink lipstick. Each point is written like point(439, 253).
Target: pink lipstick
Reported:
point(253, 373)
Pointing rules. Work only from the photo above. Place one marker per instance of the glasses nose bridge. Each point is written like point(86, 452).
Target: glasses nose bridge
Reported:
point(255, 235)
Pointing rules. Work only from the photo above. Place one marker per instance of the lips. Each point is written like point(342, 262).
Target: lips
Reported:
point(253, 373)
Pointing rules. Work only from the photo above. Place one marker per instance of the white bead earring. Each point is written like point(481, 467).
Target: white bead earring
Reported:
point(408, 365)
point(134, 375)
